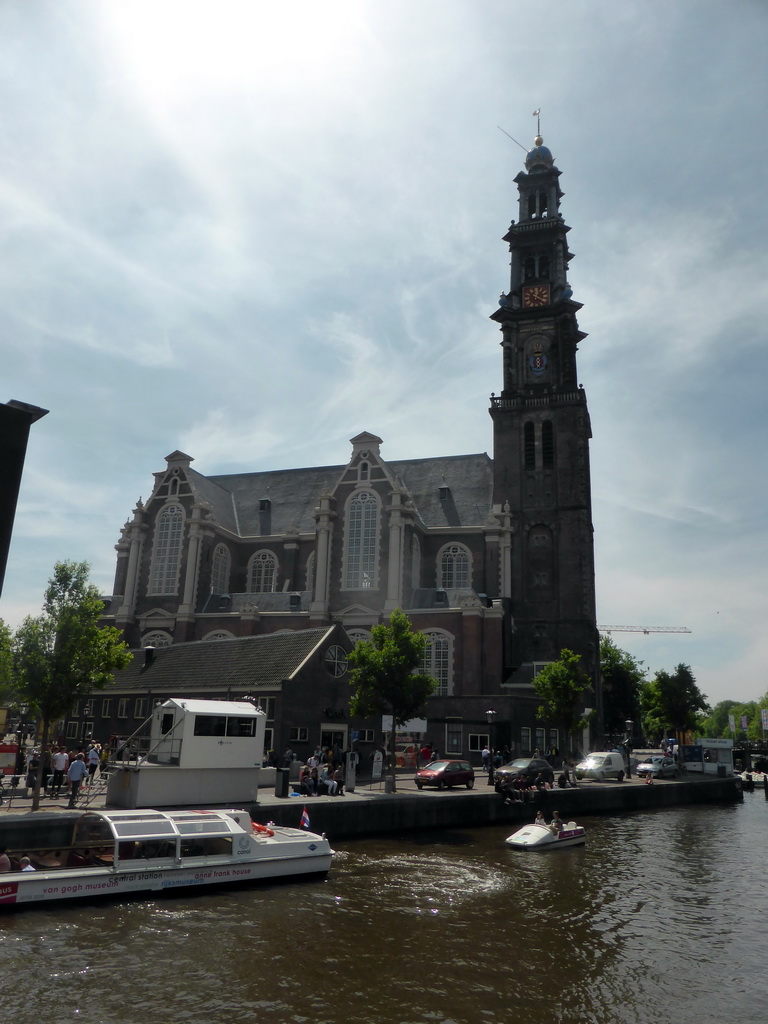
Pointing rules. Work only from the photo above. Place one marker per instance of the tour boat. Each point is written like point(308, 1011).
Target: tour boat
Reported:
point(134, 851)
point(542, 837)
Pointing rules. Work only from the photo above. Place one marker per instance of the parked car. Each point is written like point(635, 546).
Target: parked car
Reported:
point(602, 765)
point(405, 755)
point(527, 767)
point(445, 774)
point(659, 767)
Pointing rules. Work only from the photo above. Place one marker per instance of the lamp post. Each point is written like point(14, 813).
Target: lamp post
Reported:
point(490, 717)
point(628, 746)
point(21, 739)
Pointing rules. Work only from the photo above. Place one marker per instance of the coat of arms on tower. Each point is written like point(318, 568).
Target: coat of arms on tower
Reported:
point(537, 360)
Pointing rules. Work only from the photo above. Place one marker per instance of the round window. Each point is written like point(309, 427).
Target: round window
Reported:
point(336, 660)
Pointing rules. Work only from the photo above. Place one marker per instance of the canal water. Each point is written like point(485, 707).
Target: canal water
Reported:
point(661, 916)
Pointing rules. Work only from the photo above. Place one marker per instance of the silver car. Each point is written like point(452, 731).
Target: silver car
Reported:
point(658, 767)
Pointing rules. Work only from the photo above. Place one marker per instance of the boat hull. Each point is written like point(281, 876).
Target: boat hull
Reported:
point(541, 837)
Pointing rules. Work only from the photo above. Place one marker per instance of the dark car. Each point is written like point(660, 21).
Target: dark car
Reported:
point(445, 774)
point(524, 767)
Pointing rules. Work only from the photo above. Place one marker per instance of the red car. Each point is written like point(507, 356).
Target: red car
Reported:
point(445, 774)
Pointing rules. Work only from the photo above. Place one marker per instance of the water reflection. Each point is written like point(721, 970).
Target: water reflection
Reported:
point(659, 910)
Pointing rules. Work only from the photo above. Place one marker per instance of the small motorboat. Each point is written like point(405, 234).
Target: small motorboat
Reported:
point(543, 837)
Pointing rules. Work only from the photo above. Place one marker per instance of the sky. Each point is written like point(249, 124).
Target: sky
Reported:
point(251, 229)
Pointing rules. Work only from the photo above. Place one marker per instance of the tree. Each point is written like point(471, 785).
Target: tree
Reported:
point(6, 664)
point(716, 722)
point(672, 702)
point(384, 676)
point(622, 676)
point(63, 654)
point(561, 686)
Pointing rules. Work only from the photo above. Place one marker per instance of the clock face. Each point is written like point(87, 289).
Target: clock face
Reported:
point(536, 295)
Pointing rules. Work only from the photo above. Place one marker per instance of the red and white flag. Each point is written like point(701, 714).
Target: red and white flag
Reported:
point(304, 823)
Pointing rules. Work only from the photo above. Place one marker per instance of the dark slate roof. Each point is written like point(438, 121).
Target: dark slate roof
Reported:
point(294, 493)
point(263, 661)
point(469, 479)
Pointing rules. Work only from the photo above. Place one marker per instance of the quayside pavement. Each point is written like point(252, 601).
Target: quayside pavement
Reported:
point(370, 810)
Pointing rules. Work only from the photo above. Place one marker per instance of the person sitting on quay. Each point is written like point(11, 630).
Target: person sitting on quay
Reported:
point(328, 780)
point(509, 792)
point(306, 782)
point(338, 778)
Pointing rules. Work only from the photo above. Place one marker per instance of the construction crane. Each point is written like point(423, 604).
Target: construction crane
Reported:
point(643, 629)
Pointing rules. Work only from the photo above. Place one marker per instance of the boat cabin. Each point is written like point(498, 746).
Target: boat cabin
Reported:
point(202, 753)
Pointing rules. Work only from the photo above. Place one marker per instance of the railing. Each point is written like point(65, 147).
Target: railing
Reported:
point(531, 401)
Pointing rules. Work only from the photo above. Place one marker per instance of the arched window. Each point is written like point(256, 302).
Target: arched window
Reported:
point(356, 635)
point(219, 634)
point(262, 573)
point(166, 552)
point(547, 443)
point(156, 639)
point(529, 445)
point(310, 577)
point(438, 661)
point(361, 551)
point(220, 570)
point(415, 562)
point(454, 568)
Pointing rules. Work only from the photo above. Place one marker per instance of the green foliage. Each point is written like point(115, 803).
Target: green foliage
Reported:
point(6, 664)
point(384, 678)
point(717, 723)
point(63, 654)
point(672, 703)
point(622, 677)
point(561, 686)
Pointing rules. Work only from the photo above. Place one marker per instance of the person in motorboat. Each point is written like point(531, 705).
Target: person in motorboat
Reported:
point(539, 819)
point(556, 824)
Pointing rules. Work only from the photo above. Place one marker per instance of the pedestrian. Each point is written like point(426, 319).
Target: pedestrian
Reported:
point(26, 864)
point(59, 763)
point(5, 860)
point(76, 773)
point(94, 759)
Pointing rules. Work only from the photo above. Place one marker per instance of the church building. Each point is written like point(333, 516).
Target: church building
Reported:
point(491, 557)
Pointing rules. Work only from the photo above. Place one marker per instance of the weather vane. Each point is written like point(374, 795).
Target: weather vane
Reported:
point(537, 115)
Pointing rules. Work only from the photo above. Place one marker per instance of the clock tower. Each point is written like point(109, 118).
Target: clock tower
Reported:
point(541, 437)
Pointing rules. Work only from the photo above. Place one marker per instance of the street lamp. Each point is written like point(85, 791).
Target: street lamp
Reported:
point(21, 738)
point(490, 716)
point(628, 745)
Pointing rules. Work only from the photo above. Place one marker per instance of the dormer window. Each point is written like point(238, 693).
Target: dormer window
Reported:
point(264, 505)
point(445, 493)
point(364, 471)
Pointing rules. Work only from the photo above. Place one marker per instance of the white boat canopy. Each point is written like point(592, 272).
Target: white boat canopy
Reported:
point(101, 827)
